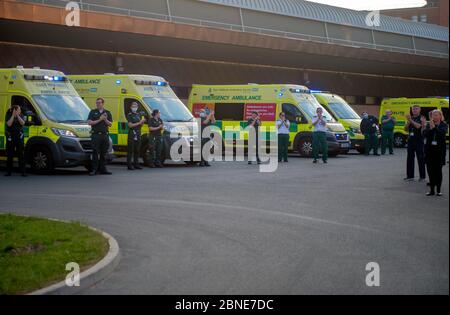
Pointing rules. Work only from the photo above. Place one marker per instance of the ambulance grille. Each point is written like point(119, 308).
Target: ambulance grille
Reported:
point(86, 145)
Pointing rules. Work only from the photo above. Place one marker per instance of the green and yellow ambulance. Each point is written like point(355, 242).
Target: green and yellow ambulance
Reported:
point(402, 107)
point(344, 114)
point(150, 92)
point(56, 131)
point(234, 104)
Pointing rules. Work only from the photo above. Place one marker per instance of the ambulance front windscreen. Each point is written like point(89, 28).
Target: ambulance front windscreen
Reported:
point(172, 109)
point(63, 108)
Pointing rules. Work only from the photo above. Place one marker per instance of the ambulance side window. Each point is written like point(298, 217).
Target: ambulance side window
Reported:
point(446, 115)
point(229, 111)
point(127, 107)
point(293, 114)
point(425, 111)
point(27, 109)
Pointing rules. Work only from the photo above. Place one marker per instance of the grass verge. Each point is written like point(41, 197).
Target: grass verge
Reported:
point(34, 252)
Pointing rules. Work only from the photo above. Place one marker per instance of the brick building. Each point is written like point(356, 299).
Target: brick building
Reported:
point(435, 12)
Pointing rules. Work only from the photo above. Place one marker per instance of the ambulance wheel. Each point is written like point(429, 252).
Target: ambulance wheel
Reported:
point(333, 154)
point(305, 147)
point(41, 160)
point(162, 158)
point(145, 153)
point(399, 140)
point(88, 166)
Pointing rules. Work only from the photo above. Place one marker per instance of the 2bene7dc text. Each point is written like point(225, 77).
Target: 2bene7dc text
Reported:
point(226, 305)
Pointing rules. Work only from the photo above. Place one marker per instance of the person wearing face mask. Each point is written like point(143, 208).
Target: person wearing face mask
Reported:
point(283, 126)
point(369, 127)
point(415, 126)
point(255, 122)
point(320, 143)
point(100, 120)
point(135, 123)
point(156, 127)
point(207, 119)
point(435, 150)
point(388, 123)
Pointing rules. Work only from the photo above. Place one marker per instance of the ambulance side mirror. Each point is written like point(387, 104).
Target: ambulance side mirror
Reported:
point(32, 119)
point(301, 120)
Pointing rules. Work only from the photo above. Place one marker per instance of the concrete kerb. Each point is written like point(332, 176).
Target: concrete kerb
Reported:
point(90, 276)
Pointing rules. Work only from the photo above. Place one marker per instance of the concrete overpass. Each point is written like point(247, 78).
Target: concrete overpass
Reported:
point(187, 49)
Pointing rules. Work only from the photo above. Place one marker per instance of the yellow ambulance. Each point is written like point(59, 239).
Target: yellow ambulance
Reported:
point(234, 104)
point(402, 107)
point(150, 92)
point(344, 114)
point(56, 131)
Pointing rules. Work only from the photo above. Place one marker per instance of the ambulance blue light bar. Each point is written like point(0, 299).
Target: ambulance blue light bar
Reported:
point(300, 91)
point(45, 78)
point(153, 83)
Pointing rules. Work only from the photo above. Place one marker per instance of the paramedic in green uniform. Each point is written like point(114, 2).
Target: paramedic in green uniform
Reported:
point(207, 119)
point(100, 120)
point(135, 122)
point(156, 127)
point(15, 138)
point(369, 128)
point(255, 122)
point(283, 127)
point(387, 126)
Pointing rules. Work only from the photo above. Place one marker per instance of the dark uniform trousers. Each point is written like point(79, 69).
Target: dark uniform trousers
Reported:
point(371, 143)
point(283, 147)
point(434, 168)
point(251, 158)
point(320, 144)
point(387, 142)
point(134, 149)
point(15, 146)
point(416, 148)
point(155, 148)
point(100, 146)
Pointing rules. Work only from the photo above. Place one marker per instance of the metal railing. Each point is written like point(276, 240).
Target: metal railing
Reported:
point(235, 27)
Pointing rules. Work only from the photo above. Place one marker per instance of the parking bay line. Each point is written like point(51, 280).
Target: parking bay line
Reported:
point(208, 205)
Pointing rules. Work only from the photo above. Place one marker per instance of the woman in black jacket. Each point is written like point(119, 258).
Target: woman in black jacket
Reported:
point(435, 150)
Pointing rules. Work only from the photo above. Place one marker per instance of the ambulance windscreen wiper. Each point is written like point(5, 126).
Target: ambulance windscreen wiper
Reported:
point(179, 120)
point(72, 122)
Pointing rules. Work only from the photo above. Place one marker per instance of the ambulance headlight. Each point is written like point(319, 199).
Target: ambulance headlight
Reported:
point(355, 130)
point(64, 133)
point(169, 128)
point(190, 139)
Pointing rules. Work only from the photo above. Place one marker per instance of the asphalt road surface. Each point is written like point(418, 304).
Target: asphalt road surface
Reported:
point(228, 229)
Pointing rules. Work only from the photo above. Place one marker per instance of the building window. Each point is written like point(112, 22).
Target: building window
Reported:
point(351, 100)
point(415, 18)
point(370, 100)
point(424, 18)
point(432, 4)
